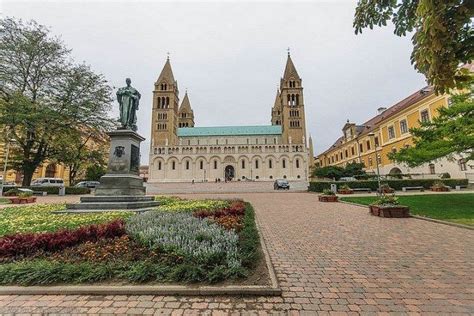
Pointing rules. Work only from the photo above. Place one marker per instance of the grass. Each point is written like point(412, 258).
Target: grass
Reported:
point(4, 201)
point(457, 208)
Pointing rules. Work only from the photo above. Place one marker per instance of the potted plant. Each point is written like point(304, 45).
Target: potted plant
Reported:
point(385, 188)
point(344, 189)
point(23, 198)
point(439, 186)
point(388, 206)
point(328, 196)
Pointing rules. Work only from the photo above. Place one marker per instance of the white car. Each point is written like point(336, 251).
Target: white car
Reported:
point(48, 182)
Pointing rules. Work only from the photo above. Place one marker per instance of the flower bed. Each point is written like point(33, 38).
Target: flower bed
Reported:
point(387, 206)
point(206, 241)
point(22, 200)
point(328, 198)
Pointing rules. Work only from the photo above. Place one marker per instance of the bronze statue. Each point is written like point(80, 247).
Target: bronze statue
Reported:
point(128, 99)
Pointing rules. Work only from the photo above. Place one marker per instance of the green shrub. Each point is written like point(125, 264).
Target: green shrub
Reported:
point(319, 186)
point(328, 192)
point(249, 239)
point(55, 190)
point(385, 199)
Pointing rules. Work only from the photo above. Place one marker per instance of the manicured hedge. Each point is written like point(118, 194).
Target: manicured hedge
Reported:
point(319, 186)
point(55, 190)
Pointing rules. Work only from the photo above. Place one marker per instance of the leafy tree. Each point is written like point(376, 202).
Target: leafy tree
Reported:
point(355, 169)
point(94, 172)
point(451, 132)
point(443, 37)
point(44, 97)
point(333, 172)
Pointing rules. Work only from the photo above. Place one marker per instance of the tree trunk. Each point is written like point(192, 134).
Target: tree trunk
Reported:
point(28, 172)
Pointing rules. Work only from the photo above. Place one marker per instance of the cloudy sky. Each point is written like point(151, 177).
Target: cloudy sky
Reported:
point(230, 56)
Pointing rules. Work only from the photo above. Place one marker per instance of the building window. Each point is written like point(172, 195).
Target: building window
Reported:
point(283, 163)
point(361, 148)
point(462, 164)
point(403, 126)
point(243, 164)
point(201, 164)
point(256, 164)
point(346, 153)
point(159, 165)
point(368, 145)
point(425, 116)
point(391, 132)
point(297, 163)
point(187, 164)
point(352, 151)
point(173, 165)
point(376, 141)
point(432, 168)
point(215, 164)
point(270, 164)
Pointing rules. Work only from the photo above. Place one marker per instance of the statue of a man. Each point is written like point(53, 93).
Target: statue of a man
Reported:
point(128, 99)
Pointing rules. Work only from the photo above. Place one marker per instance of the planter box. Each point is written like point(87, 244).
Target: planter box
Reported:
point(22, 200)
point(440, 189)
point(385, 191)
point(345, 191)
point(398, 211)
point(327, 198)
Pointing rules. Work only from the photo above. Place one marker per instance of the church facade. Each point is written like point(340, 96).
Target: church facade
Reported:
point(182, 152)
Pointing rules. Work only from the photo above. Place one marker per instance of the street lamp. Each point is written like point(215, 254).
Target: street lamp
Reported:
point(372, 135)
point(4, 177)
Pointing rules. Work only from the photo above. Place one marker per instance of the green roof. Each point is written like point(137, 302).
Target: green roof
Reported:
point(229, 131)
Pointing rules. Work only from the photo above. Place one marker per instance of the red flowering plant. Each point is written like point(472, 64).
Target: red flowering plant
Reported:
point(229, 217)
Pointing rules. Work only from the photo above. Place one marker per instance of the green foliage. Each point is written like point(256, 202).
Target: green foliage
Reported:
point(319, 186)
point(40, 218)
point(335, 172)
point(52, 190)
point(94, 172)
point(385, 199)
point(25, 194)
point(442, 39)
point(451, 207)
point(451, 132)
point(328, 192)
point(249, 239)
point(173, 204)
point(45, 99)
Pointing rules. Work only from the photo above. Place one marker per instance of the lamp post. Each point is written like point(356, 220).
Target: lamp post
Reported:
point(372, 135)
point(4, 177)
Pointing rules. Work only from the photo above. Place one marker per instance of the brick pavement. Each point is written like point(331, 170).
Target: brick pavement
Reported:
point(329, 258)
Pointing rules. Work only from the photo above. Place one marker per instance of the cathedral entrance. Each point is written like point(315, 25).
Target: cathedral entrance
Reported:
point(229, 173)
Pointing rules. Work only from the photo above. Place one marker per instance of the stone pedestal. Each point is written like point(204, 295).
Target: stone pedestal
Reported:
point(122, 177)
point(121, 188)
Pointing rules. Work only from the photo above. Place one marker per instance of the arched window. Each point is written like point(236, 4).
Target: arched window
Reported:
point(159, 165)
point(270, 164)
point(201, 164)
point(297, 163)
point(173, 165)
point(215, 164)
point(243, 164)
point(187, 164)
point(256, 164)
point(283, 163)
point(289, 100)
point(167, 102)
point(297, 100)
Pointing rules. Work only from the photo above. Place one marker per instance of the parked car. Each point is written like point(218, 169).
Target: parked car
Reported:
point(281, 184)
point(347, 179)
point(10, 185)
point(87, 184)
point(48, 182)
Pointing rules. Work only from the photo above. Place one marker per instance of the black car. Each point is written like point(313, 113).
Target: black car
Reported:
point(281, 184)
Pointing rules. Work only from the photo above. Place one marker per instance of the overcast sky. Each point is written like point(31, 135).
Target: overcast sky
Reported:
point(231, 55)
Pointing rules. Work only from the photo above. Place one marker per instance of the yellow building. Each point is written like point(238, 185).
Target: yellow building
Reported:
point(48, 170)
point(388, 132)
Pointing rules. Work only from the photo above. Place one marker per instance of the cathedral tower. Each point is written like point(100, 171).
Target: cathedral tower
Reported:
point(277, 109)
point(293, 117)
point(165, 108)
point(186, 114)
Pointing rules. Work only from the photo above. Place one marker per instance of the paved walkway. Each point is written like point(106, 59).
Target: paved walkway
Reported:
point(330, 258)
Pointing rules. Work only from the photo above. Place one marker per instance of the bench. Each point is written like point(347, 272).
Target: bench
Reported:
point(404, 189)
point(40, 193)
point(362, 190)
point(459, 187)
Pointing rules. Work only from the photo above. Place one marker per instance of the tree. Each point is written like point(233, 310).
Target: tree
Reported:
point(355, 169)
point(451, 132)
point(44, 97)
point(94, 172)
point(332, 172)
point(443, 37)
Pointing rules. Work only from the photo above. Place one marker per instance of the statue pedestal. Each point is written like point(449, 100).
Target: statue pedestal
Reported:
point(121, 188)
point(122, 177)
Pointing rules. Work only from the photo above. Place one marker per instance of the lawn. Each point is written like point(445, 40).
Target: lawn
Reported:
point(457, 208)
point(181, 241)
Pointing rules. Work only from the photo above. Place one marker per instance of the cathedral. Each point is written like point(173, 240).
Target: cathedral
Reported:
point(181, 152)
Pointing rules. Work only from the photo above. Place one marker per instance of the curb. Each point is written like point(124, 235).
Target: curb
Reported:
point(422, 218)
point(182, 290)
